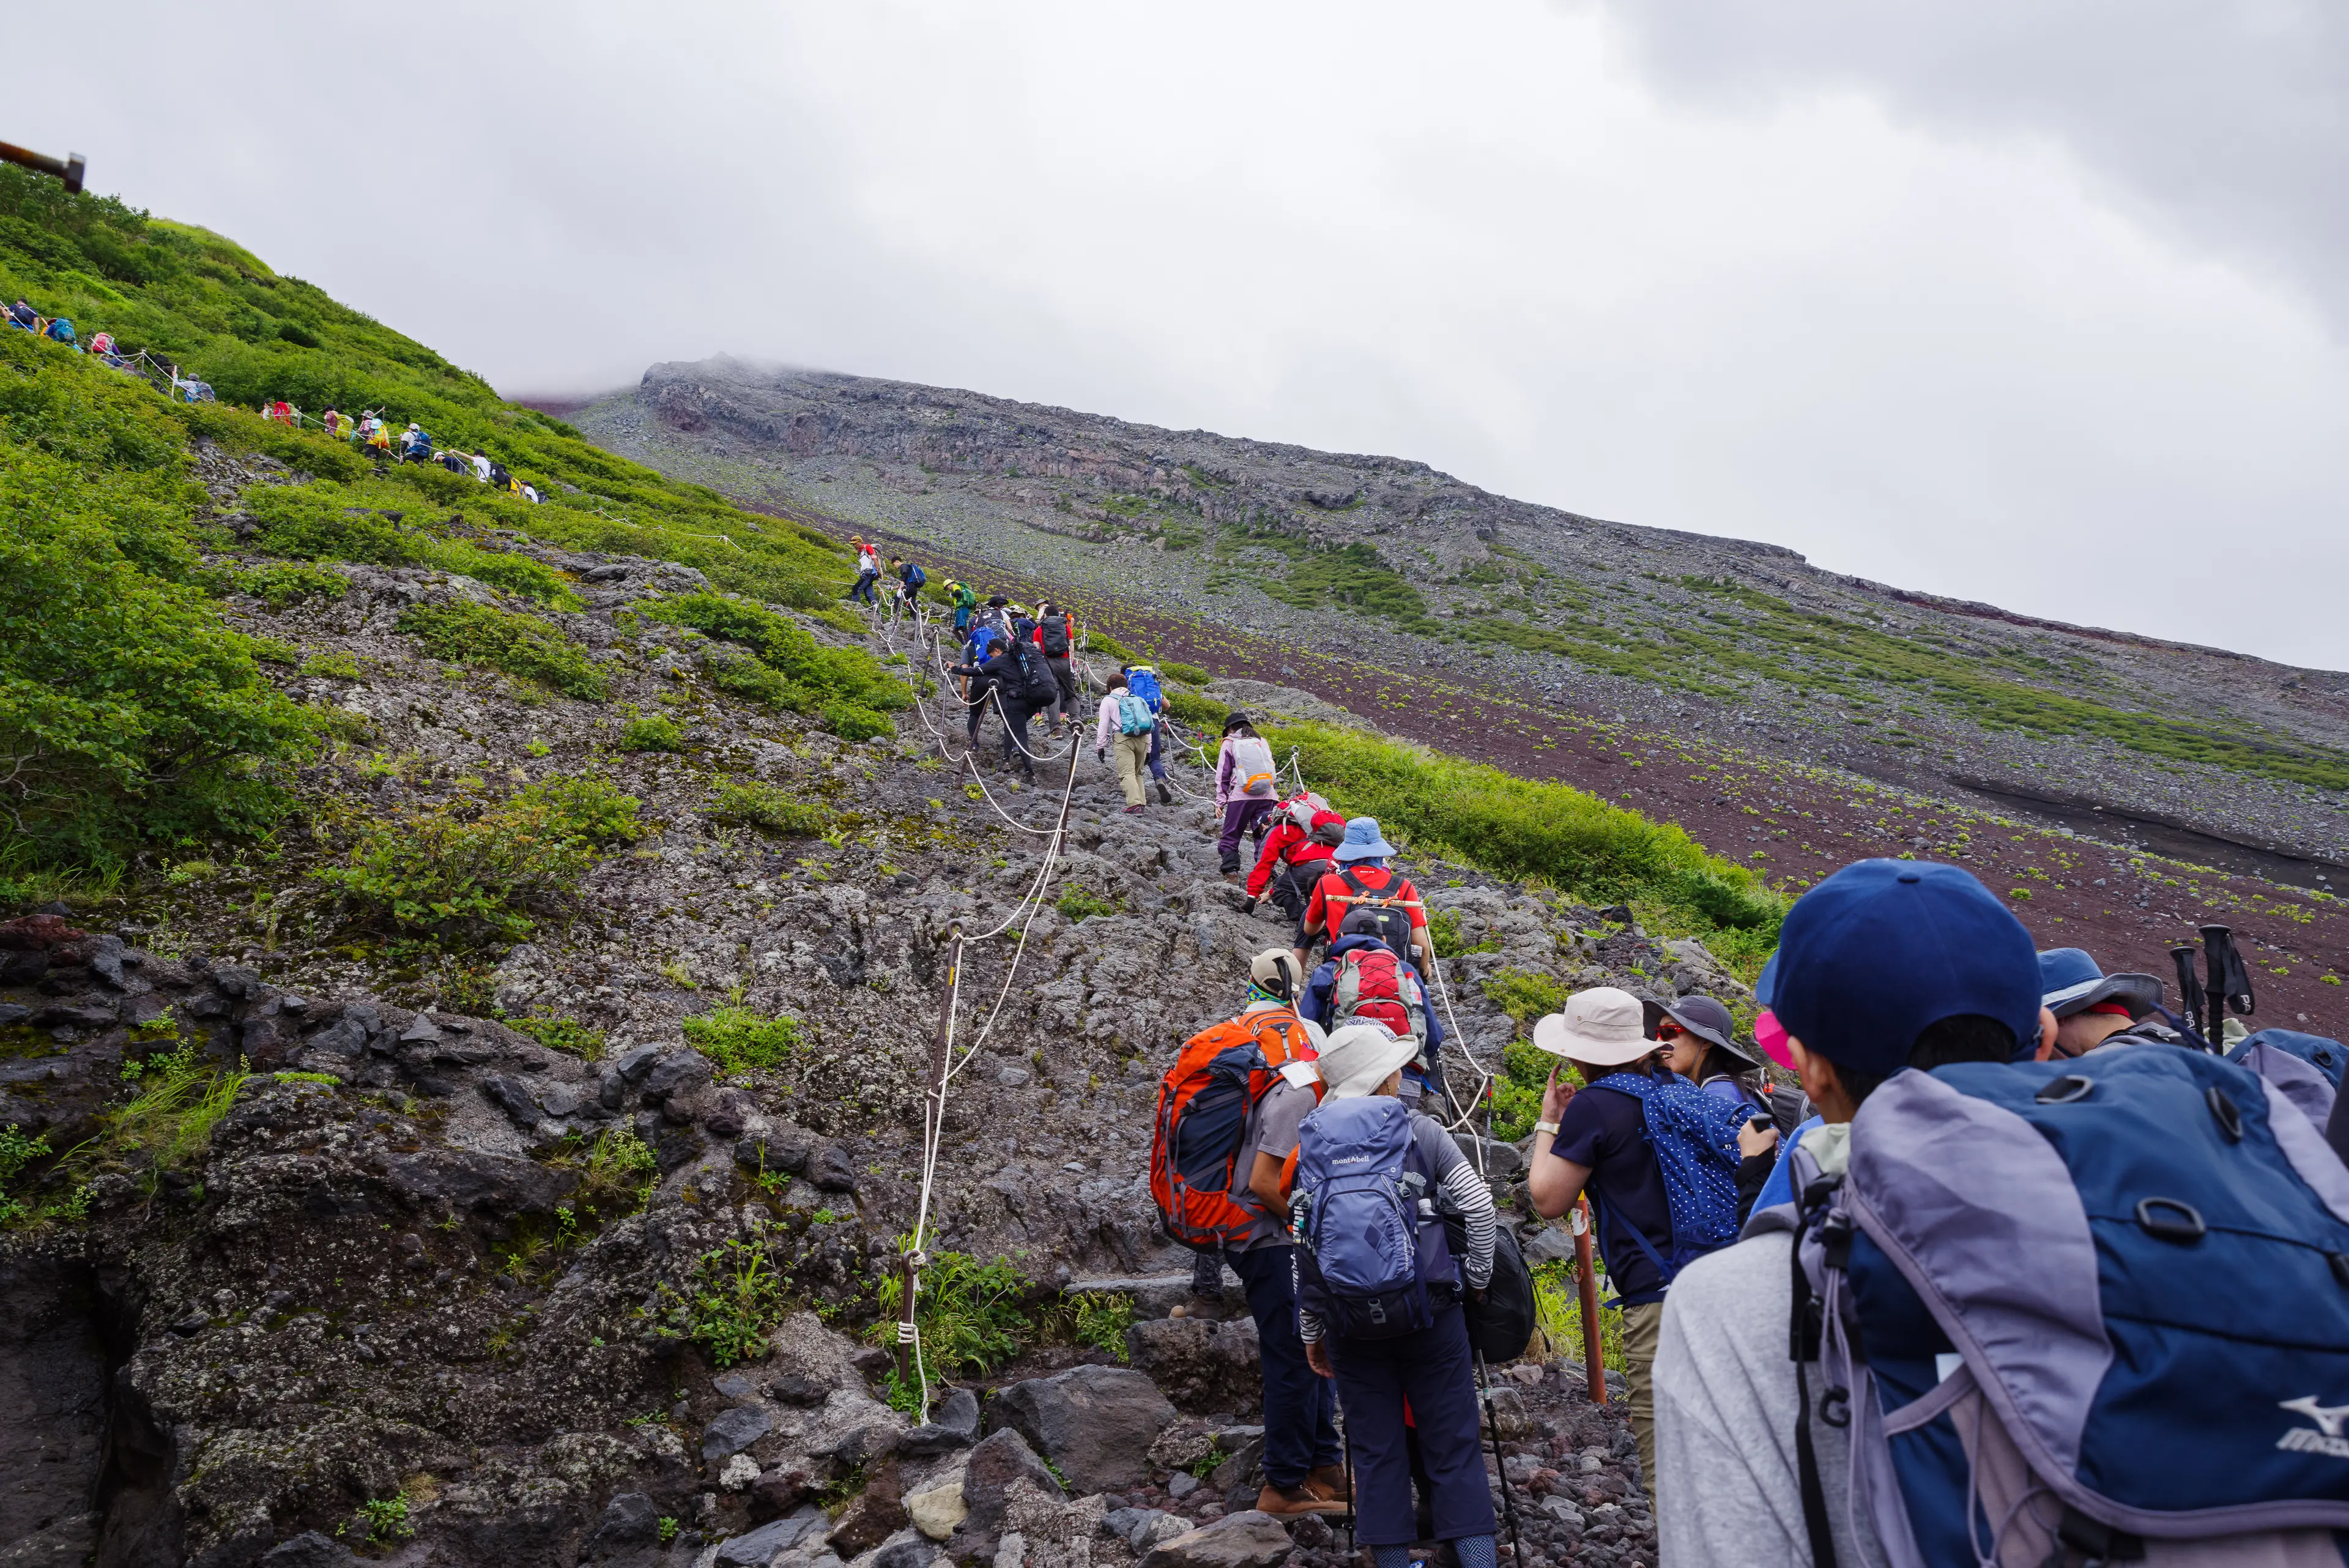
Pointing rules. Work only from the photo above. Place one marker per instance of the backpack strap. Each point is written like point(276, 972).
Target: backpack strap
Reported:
point(1804, 1326)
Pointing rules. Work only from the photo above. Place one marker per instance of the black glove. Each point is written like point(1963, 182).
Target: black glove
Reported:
point(1100, 754)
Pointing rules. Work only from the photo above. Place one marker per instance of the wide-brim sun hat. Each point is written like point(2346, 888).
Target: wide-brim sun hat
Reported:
point(1710, 1021)
point(1235, 718)
point(1602, 1026)
point(1364, 841)
point(1357, 1059)
point(2071, 982)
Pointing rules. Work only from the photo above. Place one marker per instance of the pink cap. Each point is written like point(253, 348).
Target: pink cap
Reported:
point(1771, 1035)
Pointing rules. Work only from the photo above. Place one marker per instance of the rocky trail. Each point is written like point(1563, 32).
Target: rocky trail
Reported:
point(577, 1249)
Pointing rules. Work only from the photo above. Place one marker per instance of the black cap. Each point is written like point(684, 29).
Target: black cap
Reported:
point(1235, 718)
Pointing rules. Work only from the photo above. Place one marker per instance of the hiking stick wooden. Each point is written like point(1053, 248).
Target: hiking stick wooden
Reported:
point(1500, 1460)
point(1586, 1279)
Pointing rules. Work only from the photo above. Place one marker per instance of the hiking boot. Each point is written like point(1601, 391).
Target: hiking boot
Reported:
point(1329, 1481)
point(1165, 795)
point(1294, 1502)
point(1131, 809)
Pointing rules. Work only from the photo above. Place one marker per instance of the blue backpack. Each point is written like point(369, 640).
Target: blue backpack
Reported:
point(1694, 1136)
point(1364, 1210)
point(982, 639)
point(2307, 1067)
point(61, 330)
point(914, 576)
point(2094, 1309)
point(1143, 682)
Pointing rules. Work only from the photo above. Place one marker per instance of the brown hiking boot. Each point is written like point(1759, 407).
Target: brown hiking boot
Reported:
point(1330, 1482)
point(1294, 1502)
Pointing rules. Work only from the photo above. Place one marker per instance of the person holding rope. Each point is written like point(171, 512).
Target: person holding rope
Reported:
point(1143, 682)
point(1125, 722)
point(1019, 686)
point(1056, 635)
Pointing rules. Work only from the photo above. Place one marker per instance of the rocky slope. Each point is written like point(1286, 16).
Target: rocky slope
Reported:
point(413, 1270)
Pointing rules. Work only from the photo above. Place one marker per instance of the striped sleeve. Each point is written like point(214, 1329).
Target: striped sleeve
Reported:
point(1467, 1195)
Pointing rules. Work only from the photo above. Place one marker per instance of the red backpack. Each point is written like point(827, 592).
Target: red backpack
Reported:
point(1203, 1110)
point(1371, 983)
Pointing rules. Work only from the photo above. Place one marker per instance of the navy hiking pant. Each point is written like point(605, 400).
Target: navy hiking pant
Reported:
point(1433, 1371)
point(1301, 1427)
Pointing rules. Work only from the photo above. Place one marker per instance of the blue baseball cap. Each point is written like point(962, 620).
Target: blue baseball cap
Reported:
point(1883, 949)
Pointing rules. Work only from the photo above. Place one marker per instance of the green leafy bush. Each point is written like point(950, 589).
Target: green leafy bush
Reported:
point(522, 645)
point(739, 1041)
point(1558, 1308)
point(746, 676)
point(508, 571)
point(16, 1152)
point(842, 675)
point(566, 1035)
point(851, 722)
point(768, 808)
point(1077, 903)
point(729, 1306)
point(329, 521)
point(1190, 673)
point(972, 1315)
point(334, 666)
point(279, 586)
point(466, 869)
point(652, 732)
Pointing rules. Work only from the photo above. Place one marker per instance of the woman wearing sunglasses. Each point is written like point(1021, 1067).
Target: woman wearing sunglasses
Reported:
point(1700, 1043)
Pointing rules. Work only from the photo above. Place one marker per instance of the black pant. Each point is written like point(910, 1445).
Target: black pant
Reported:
point(1301, 1427)
point(1291, 887)
point(1431, 1370)
point(979, 705)
point(1016, 712)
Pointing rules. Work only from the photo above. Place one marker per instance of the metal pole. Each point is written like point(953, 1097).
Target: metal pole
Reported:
point(1500, 1463)
point(1586, 1273)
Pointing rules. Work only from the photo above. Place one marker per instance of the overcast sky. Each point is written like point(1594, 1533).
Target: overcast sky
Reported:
point(2041, 303)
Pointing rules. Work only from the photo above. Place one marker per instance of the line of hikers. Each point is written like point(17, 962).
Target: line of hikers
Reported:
point(2002, 1266)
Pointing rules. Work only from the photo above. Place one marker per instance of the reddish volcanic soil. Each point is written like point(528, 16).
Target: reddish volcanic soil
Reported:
point(1795, 821)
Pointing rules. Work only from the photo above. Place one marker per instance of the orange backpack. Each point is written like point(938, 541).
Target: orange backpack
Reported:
point(1203, 1111)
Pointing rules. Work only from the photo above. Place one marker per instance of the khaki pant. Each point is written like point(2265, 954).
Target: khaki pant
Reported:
point(1132, 756)
point(1640, 1327)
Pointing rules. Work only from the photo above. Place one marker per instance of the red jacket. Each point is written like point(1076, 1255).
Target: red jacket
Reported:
point(1290, 843)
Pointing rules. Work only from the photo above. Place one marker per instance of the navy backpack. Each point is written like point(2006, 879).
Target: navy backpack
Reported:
point(1375, 1262)
point(2082, 1312)
point(1694, 1136)
point(2305, 1067)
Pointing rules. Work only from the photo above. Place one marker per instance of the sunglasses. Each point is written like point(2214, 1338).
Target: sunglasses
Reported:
point(1667, 1032)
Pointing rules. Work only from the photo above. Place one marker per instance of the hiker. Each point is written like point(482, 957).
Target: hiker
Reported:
point(2094, 1010)
point(1143, 682)
point(23, 316)
point(910, 579)
point(1366, 977)
point(530, 494)
point(60, 330)
point(1125, 722)
point(1247, 786)
point(1362, 880)
point(1884, 966)
point(1657, 1156)
point(868, 572)
point(1700, 1042)
point(965, 600)
point(1019, 685)
point(1302, 1469)
point(1056, 635)
point(481, 466)
point(456, 461)
point(415, 446)
point(1296, 854)
point(1378, 1310)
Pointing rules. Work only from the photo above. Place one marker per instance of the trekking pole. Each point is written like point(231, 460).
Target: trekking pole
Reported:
point(1500, 1461)
point(1586, 1276)
point(1346, 1436)
point(2229, 984)
point(68, 169)
point(2189, 987)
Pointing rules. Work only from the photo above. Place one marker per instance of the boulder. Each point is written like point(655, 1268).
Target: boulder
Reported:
point(1096, 1423)
point(779, 1490)
point(1143, 1528)
point(1548, 1245)
point(953, 1423)
point(308, 1550)
point(872, 1516)
point(936, 1510)
point(631, 1518)
point(763, 1545)
point(832, 1170)
point(1198, 1364)
point(1000, 1458)
point(907, 1549)
point(733, 1431)
point(855, 1429)
point(783, 1149)
point(1244, 1539)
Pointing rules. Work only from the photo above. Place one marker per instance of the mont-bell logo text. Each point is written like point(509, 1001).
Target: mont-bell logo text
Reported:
point(2324, 1437)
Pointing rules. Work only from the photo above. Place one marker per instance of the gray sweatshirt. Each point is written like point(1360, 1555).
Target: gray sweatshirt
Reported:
point(1727, 1489)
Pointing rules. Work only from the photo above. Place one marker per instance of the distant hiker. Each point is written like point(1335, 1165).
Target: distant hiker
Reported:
point(1227, 1124)
point(482, 467)
point(415, 446)
point(280, 411)
point(965, 605)
point(1125, 722)
point(456, 461)
point(910, 579)
point(868, 572)
point(1659, 1157)
point(1295, 853)
point(499, 478)
point(1019, 686)
point(2094, 1010)
point(1367, 980)
point(60, 331)
point(331, 422)
point(1055, 634)
point(1361, 881)
point(1379, 1296)
point(1247, 786)
point(24, 315)
point(1143, 682)
point(530, 494)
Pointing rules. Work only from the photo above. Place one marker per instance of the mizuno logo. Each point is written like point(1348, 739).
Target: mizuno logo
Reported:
point(2327, 1439)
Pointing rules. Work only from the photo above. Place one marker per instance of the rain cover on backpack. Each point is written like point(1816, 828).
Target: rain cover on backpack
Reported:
point(2086, 1310)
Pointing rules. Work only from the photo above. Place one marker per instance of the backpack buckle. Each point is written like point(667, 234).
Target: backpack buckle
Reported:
point(1835, 1408)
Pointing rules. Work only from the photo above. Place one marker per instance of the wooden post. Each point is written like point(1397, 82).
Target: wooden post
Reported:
point(1586, 1272)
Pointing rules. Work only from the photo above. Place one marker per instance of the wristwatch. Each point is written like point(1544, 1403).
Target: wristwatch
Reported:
point(1549, 1127)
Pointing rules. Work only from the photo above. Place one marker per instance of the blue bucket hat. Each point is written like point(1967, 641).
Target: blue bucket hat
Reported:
point(1364, 841)
point(2070, 982)
point(1883, 949)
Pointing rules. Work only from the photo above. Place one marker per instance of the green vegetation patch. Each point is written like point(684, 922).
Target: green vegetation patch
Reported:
point(768, 808)
point(738, 1041)
point(652, 732)
point(521, 645)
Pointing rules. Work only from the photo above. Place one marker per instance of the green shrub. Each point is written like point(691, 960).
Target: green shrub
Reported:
point(328, 522)
point(510, 572)
point(768, 808)
point(522, 645)
point(386, 1518)
point(1202, 715)
point(334, 666)
point(729, 1306)
point(1076, 903)
point(16, 1152)
point(1101, 642)
point(1189, 673)
point(465, 868)
point(181, 1099)
point(739, 1041)
point(851, 722)
point(566, 1035)
point(833, 674)
point(1558, 1308)
point(621, 1167)
point(972, 1315)
point(744, 675)
point(280, 587)
point(652, 732)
